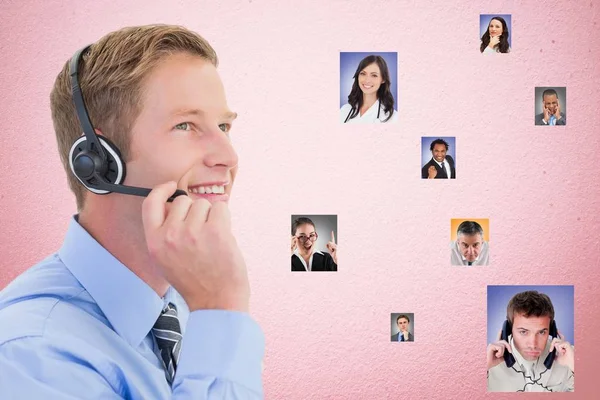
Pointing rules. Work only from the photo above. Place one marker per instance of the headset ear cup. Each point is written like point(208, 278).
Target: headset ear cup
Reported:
point(115, 172)
point(115, 168)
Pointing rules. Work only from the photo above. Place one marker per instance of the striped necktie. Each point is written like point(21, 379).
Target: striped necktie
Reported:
point(167, 332)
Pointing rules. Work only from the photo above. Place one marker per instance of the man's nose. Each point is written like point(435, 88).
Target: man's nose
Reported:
point(220, 151)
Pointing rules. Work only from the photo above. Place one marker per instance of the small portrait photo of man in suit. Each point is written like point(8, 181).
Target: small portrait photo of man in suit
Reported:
point(438, 158)
point(402, 327)
point(313, 243)
point(470, 242)
point(550, 106)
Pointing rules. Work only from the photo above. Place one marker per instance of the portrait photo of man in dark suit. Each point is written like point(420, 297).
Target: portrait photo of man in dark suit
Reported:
point(403, 329)
point(441, 165)
point(551, 106)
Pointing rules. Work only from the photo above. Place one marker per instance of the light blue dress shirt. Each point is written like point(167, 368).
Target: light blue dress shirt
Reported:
point(77, 326)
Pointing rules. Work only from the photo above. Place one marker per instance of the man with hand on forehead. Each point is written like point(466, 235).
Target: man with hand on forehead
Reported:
point(551, 112)
point(530, 315)
point(146, 299)
point(305, 257)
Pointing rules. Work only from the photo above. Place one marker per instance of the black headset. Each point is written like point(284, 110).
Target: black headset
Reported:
point(95, 160)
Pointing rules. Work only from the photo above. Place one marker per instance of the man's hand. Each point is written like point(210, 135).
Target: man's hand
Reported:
point(432, 172)
point(557, 113)
point(494, 40)
point(546, 114)
point(405, 334)
point(332, 247)
point(294, 244)
point(565, 355)
point(495, 351)
point(192, 245)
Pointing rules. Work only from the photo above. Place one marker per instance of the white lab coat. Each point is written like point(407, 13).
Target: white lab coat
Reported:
point(369, 116)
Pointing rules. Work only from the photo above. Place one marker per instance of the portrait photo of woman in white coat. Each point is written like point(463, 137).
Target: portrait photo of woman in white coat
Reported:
point(370, 99)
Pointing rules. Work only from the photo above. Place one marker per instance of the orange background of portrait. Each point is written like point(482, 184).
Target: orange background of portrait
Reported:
point(485, 224)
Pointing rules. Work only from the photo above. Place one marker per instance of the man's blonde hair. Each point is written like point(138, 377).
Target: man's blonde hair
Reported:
point(111, 77)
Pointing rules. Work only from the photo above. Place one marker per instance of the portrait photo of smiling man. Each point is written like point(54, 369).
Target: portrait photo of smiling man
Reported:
point(438, 158)
point(148, 296)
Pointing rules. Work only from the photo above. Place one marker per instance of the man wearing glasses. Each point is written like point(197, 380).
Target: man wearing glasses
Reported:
point(304, 255)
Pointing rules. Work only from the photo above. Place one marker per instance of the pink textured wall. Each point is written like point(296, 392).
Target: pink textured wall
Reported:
point(328, 334)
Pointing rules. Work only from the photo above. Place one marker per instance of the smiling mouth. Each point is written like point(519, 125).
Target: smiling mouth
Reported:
point(368, 87)
point(208, 189)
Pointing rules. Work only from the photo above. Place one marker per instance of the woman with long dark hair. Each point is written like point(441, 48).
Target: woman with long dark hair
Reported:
point(495, 38)
point(370, 99)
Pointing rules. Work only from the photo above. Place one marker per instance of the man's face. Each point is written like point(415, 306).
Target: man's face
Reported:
point(402, 324)
point(307, 236)
point(439, 152)
point(530, 335)
point(551, 103)
point(470, 245)
point(182, 132)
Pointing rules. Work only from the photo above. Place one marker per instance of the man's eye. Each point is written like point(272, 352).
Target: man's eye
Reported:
point(183, 126)
point(225, 127)
point(523, 333)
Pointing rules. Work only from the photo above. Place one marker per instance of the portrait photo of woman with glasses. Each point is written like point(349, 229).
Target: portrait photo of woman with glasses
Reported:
point(306, 255)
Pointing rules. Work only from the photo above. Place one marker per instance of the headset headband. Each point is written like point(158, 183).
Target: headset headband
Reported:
point(93, 144)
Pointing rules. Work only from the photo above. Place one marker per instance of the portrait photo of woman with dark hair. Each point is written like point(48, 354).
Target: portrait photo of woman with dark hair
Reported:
point(371, 98)
point(495, 37)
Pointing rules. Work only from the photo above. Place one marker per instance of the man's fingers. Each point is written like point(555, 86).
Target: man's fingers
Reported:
point(154, 206)
point(506, 345)
point(497, 350)
point(198, 213)
point(219, 215)
point(179, 209)
point(332, 237)
point(499, 334)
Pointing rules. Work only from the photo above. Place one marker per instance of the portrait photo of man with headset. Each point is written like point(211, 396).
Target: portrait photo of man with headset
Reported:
point(530, 353)
point(148, 297)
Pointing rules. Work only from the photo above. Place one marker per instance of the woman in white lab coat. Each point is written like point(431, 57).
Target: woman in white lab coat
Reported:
point(370, 99)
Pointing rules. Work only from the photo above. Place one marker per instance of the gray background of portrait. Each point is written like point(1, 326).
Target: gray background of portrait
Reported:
point(324, 224)
point(562, 98)
point(411, 325)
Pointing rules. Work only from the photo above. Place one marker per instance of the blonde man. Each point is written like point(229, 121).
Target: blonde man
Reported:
point(146, 299)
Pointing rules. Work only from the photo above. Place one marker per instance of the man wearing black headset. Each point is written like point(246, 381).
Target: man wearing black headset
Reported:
point(530, 322)
point(148, 297)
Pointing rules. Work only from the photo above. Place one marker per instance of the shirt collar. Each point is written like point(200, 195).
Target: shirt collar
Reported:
point(524, 363)
point(130, 305)
point(373, 109)
point(439, 163)
point(297, 254)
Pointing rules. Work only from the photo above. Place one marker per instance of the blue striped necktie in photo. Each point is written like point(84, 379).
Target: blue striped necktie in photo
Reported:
point(167, 332)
